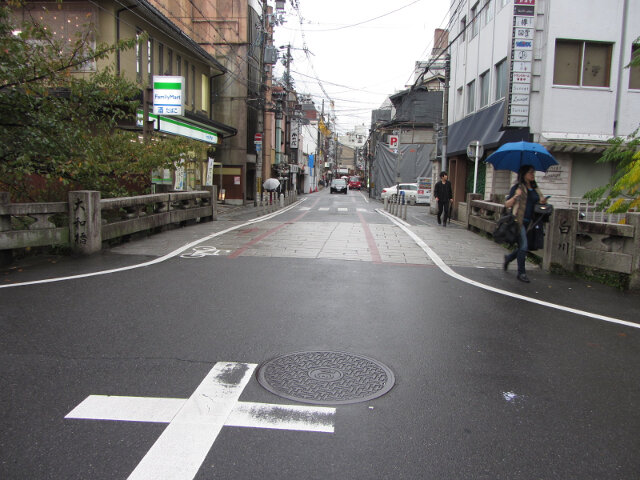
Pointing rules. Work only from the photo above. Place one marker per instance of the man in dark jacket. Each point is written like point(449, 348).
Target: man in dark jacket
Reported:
point(443, 194)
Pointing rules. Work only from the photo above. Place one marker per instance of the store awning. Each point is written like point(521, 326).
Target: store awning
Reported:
point(485, 126)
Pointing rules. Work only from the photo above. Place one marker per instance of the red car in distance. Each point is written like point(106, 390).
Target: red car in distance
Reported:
point(354, 183)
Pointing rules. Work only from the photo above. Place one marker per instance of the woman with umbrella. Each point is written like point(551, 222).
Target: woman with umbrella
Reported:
point(522, 198)
point(524, 158)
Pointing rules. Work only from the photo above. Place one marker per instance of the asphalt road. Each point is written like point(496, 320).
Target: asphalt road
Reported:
point(487, 386)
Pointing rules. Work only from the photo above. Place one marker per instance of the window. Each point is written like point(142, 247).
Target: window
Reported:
point(634, 72)
point(193, 86)
point(484, 89)
point(204, 94)
point(186, 82)
point(160, 59)
point(501, 79)
point(178, 65)
point(474, 20)
point(463, 28)
point(487, 12)
point(150, 60)
point(170, 61)
point(64, 22)
point(459, 102)
point(138, 57)
point(579, 63)
point(471, 96)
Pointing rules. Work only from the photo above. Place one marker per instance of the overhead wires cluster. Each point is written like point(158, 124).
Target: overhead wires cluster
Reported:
point(308, 80)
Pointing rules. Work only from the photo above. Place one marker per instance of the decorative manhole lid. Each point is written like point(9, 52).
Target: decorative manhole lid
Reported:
point(326, 377)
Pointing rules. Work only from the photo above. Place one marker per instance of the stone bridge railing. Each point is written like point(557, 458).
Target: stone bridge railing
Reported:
point(573, 244)
point(86, 220)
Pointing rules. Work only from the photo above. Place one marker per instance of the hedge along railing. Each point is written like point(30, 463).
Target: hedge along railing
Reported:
point(85, 221)
point(572, 244)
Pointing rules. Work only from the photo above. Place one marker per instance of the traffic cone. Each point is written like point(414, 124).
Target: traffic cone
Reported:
point(310, 190)
point(316, 188)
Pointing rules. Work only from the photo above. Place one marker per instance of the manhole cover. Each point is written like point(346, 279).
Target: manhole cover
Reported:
point(326, 377)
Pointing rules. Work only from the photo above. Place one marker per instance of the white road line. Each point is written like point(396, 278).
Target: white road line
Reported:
point(159, 259)
point(341, 209)
point(364, 196)
point(184, 444)
point(446, 269)
point(243, 414)
point(304, 209)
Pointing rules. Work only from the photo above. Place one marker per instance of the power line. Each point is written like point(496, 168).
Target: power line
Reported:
point(367, 21)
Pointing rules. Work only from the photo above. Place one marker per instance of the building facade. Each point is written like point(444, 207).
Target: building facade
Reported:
point(548, 71)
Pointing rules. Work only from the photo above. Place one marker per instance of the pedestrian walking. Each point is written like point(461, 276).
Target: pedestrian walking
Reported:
point(443, 194)
point(522, 199)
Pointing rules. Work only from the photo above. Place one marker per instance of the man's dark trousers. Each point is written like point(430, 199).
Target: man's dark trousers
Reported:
point(443, 207)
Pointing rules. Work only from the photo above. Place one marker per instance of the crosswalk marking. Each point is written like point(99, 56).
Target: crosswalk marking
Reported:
point(339, 209)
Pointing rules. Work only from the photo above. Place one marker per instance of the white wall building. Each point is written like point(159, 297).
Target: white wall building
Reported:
point(558, 69)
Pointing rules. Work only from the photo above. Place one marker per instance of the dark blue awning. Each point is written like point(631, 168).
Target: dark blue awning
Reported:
point(485, 126)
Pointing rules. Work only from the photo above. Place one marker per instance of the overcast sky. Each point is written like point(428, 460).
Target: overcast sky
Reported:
point(356, 57)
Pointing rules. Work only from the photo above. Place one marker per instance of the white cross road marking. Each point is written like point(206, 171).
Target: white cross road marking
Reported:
point(304, 209)
point(361, 210)
point(323, 209)
point(194, 423)
point(343, 209)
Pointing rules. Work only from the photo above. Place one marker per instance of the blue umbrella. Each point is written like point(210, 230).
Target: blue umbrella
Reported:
point(511, 156)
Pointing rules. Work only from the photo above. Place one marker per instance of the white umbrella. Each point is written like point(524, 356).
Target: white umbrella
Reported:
point(271, 184)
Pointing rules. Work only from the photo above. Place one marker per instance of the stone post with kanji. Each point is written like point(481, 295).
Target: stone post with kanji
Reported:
point(85, 222)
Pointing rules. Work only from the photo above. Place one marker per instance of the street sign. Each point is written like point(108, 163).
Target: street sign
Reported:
point(475, 149)
point(257, 138)
point(394, 141)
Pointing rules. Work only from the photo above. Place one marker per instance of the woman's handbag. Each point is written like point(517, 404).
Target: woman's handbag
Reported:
point(543, 210)
point(507, 229)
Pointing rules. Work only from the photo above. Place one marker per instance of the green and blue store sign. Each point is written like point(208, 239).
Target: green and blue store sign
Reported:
point(176, 126)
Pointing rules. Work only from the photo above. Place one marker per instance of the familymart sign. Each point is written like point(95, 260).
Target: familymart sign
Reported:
point(168, 95)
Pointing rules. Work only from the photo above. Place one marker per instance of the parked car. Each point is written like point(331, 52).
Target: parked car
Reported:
point(410, 191)
point(354, 183)
point(338, 185)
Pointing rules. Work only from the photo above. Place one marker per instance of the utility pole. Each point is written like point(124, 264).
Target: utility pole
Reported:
point(445, 111)
point(315, 166)
point(262, 104)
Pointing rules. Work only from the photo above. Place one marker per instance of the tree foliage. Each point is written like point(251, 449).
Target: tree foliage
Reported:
point(622, 193)
point(61, 127)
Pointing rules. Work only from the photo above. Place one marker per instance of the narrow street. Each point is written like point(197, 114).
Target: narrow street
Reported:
point(321, 342)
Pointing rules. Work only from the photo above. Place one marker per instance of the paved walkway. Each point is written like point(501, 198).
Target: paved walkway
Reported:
point(456, 245)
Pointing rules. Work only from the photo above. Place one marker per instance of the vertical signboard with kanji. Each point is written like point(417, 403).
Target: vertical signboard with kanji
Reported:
point(521, 65)
point(295, 134)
